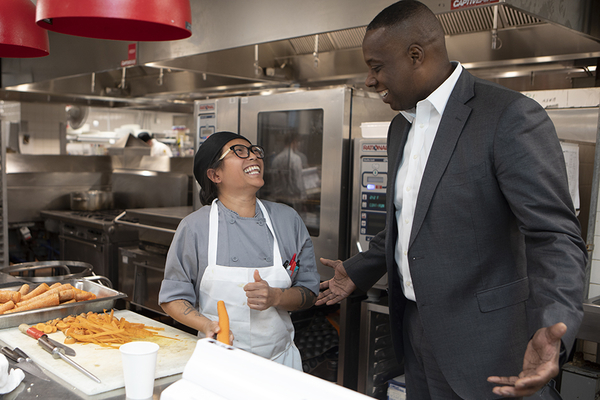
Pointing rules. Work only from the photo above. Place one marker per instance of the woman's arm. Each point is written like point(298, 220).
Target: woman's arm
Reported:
point(261, 296)
point(183, 311)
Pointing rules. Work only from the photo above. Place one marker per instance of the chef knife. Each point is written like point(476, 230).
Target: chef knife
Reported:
point(36, 334)
point(21, 359)
point(58, 352)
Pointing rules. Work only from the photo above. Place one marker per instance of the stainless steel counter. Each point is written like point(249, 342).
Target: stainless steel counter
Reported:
point(34, 388)
point(168, 215)
point(69, 385)
point(155, 225)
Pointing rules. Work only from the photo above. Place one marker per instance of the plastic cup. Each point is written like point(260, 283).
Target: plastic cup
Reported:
point(139, 364)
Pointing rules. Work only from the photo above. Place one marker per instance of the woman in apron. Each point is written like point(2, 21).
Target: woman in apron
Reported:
point(239, 249)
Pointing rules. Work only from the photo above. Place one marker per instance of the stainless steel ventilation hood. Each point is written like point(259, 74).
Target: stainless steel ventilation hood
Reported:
point(242, 47)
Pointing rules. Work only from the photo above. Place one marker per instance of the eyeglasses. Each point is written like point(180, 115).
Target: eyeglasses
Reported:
point(244, 151)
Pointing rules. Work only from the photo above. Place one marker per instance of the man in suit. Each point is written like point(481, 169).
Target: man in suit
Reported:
point(482, 248)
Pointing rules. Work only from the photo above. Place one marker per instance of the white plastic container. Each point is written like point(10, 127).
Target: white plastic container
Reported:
point(374, 129)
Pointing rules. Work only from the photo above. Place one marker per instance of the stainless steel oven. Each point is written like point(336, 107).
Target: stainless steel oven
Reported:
point(141, 273)
point(142, 267)
point(85, 244)
point(92, 237)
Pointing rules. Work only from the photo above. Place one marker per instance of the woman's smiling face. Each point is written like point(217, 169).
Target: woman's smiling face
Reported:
point(237, 173)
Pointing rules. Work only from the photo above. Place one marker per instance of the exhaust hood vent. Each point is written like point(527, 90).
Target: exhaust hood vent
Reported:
point(338, 40)
point(482, 19)
point(471, 20)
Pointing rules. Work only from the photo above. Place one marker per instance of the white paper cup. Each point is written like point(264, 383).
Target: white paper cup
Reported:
point(139, 364)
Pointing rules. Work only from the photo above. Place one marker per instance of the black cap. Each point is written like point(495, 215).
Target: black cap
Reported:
point(145, 136)
point(210, 149)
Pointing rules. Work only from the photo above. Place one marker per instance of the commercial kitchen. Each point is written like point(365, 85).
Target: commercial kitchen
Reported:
point(84, 202)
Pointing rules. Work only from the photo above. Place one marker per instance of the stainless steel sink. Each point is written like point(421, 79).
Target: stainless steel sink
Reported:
point(590, 326)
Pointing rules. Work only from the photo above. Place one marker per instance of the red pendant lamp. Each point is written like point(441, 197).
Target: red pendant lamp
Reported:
point(20, 37)
point(131, 20)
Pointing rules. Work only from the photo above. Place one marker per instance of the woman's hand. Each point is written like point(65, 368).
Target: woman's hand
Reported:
point(183, 311)
point(211, 328)
point(260, 295)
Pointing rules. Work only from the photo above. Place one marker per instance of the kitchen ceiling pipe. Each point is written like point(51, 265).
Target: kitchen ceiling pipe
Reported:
point(131, 20)
point(20, 37)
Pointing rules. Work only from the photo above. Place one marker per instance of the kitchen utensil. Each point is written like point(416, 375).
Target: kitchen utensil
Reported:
point(23, 361)
point(92, 200)
point(37, 334)
point(57, 352)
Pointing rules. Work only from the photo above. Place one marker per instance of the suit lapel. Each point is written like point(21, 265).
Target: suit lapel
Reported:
point(451, 126)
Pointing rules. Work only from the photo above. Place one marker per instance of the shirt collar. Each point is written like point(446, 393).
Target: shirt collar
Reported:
point(439, 97)
point(233, 214)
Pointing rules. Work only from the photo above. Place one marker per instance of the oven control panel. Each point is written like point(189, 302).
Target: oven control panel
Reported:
point(373, 184)
point(369, 184)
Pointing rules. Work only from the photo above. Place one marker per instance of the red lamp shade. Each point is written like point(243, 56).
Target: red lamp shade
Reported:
point(20, 37)
point(131, 20)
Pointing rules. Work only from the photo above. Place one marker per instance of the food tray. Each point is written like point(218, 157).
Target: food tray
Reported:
point(105, 299)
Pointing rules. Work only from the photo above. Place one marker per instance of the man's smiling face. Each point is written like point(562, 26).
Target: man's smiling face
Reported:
point(391, 69)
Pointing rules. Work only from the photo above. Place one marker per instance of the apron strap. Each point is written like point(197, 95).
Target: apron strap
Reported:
point(213, 234)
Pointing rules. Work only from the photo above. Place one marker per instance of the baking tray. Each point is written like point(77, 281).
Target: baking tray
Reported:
point(105, 299)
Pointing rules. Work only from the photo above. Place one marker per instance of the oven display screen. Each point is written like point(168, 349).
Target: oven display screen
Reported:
point(376, 179)
point(375, 201)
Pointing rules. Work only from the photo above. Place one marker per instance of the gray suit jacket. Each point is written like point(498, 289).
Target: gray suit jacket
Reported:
point(495, 250)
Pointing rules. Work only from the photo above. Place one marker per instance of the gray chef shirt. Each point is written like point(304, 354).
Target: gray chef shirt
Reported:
point(242, 242)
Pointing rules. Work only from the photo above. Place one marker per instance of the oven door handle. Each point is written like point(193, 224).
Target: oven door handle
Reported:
point(138, 225)
point(95, 246)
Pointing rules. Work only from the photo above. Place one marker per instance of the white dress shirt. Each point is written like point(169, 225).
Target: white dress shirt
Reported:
point(425, 122)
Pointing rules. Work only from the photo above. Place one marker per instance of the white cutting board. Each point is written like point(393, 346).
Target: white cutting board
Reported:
point(103, 362)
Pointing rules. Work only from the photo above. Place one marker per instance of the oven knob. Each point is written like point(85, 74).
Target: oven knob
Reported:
point(111, 230)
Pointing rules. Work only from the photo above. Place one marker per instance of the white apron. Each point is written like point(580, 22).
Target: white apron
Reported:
point(268, 333)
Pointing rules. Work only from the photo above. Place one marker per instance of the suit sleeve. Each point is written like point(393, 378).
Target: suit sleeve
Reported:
point(531, 173)
point(366, 268)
